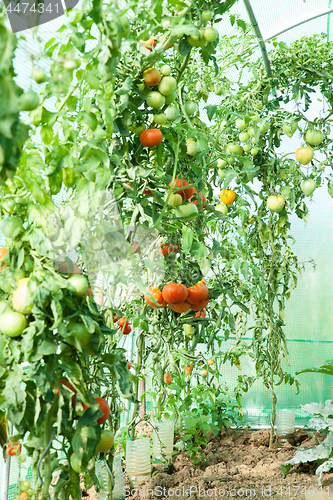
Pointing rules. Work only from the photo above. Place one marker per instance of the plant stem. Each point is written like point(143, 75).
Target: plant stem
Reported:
point(136, 384)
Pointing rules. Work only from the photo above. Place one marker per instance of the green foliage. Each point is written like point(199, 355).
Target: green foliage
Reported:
point(321, 454)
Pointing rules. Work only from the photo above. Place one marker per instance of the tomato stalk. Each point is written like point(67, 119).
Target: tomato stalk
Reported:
point(139, 355)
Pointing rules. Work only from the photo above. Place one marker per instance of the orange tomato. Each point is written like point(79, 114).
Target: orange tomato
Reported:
point(123, 322)
point(151, 77)
point(167, 249)
point(135, 248)
point(167, 378)
point(199, 305)
point(157, 294)
point(150, 43)
point(200, 314)
point(151, 137)
point(188, 370)
point(180, 307)
point(3, 253)
point(210, 362)
point(174, 292)
point(227, 196)
point(197, 293)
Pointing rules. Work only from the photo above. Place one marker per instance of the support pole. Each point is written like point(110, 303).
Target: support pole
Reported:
point(261, 42)
point(6, 475)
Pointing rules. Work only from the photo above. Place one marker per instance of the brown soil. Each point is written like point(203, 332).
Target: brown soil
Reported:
point(238, 464)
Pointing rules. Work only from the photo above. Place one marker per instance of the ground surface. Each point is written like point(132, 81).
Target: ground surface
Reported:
point(238, 464)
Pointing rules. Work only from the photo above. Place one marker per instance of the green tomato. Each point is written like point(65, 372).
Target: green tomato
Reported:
point(285, 191)
point(141, 86)
point(28, 101)
point(165, 70)
point(221, 163)
point(289, 128)
point(11, 226)
point(210, 34)
point(221, 173)
point(106, 441)
point(38, 75)
point(207, 15)
point(25, 485)
point(170, 98)
point(234, 149)
point(330, 189)
point(218, 89)
point(314, 137)
point(241, 124)
point(255, 118)
point(75, 463)
point(80, 332)
point(193, 147)
point(12, 323)
point(160, 118)
point(247, 148)
point(244, 136)
point(70, 65)
point(188, 330)
point(125, 25)
point(9, 205)
point(197, 40)
point(190, 108)
point(3, 306)
point(188, 211)
point(2, 356)
point(137, 128)
point(167, 85)
point(263, 128)
point(275, 203)
point(79, 282)
point(175, 200)
point(155, 99)
point(221, 207)
point(172, 113)
point(308, 186)
point(254, 151)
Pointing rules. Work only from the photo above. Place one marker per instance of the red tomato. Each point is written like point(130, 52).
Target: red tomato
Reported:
point(157, 294)
point(197, 293)
point(123, 322)
point(69, 386)
point(185, 193)
point(13, 449)
point(126, 330)
point(200, 314)
point(104, 407)
point(129, 366)
point(180, 307)
point(200, 305)
point(167, 249)
point(174, 292)
point(151, 137)
point(135, 248)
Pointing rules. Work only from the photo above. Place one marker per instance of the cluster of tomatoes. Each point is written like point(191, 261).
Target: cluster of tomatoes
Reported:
point(178, 297)
point(188, 369)
point(124, 326)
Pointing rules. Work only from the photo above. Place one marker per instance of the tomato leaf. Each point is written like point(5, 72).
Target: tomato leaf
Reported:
point(187, 240)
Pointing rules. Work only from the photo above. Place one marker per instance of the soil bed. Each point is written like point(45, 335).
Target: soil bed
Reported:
point(238, 464)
